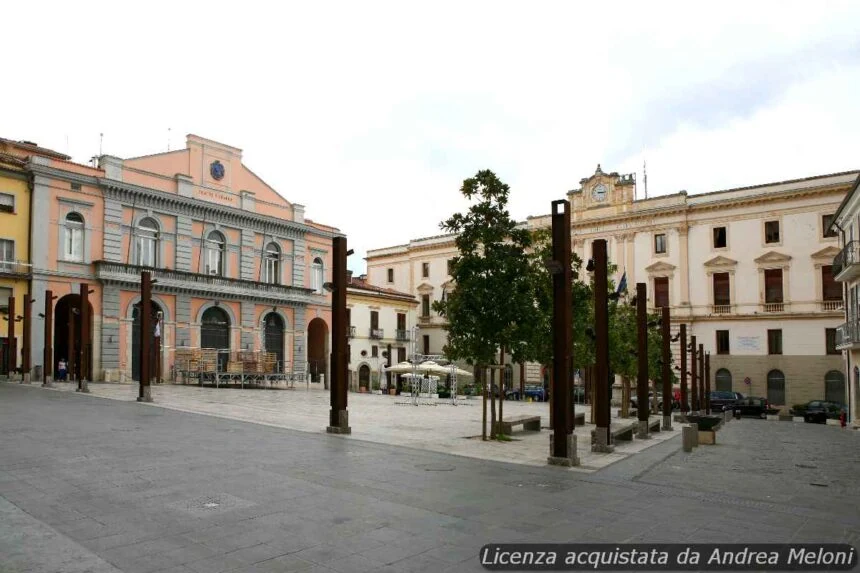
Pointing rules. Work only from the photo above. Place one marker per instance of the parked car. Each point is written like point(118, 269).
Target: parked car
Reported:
point(818, 411)
point(722, 400)
point(751, 406)
point(534, 391)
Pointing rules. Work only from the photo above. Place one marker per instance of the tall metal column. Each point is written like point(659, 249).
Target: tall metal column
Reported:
point(145, 389)
point(25, 343)
point(602, 441)
point(48, 359)
point(339, 416)
point(84, 344)
point(11, 345)
point(667, 369)
point(702, 396)
point(562, 440)
point(642, 405)
point(694, 384)
point(708, 383)
point(685, 404)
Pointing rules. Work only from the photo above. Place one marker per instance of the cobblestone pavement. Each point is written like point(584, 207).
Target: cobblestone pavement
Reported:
point(382, 419)
point(89, 484)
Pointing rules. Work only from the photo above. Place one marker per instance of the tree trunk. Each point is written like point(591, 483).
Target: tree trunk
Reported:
point(625, 396)
point(482, 375)
point(492, 404)
point(501, 384)
point(549, 371)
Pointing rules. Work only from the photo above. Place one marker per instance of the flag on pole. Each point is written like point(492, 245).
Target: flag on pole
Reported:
point(622, 284)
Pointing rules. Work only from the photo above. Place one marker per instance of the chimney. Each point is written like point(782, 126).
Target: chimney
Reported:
point(349, 276)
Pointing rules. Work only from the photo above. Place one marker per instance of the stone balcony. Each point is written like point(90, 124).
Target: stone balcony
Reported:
point(377, 333)
point(848, 334)
point(15, 269)
point(401, 335)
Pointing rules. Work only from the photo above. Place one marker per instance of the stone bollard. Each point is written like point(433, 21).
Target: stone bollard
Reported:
point(695, 433)
point(687, 438)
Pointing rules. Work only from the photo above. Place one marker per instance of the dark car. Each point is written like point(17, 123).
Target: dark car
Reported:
point(818, 411)
point(722, 400)
point(752, 406)
point(534, 391)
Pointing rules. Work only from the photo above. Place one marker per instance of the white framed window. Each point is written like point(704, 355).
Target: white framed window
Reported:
point(272, 264)
point(147, 243)
point(7, 203)
point(660, 243)
point(7, 255)
point(73, 244)
point(216, 246)
point(317, 275)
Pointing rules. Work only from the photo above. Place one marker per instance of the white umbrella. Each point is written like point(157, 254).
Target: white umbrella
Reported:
point(402, 368)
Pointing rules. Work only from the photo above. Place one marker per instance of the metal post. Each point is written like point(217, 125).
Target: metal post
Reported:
point(702, 397)
point(685, 405)
point(642, 405)
point(25, 348)
point(694, 383)
point(502, 372)
point(484, 405)
point(667, 370)
point(145, 390)
point(84, 342)
point(708, 383)
point(599, 381)
point(11, 346)
point(562, 440)
point(339, 416)
point(48, 359)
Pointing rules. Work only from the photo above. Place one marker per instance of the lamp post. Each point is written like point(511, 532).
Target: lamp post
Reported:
point(602, 441)
point(642, 408)
point(339, 416)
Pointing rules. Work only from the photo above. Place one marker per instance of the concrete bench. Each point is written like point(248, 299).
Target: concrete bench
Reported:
point(623, 431)
point(531, 423)
point(654, 425)
point(579, 419)
point(631, 413)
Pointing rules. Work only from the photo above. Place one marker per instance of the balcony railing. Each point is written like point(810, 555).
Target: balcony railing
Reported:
point(847, 262)
point(848, 334)
point(774, 307)
point(351, 333)
point(425, 318)
point(17, 268)
point(401, 335)
point(376, 333)
point(829, 305)
point(721, 309)
point(188, 281)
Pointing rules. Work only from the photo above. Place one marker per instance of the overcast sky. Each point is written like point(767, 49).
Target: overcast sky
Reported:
point(372, 113)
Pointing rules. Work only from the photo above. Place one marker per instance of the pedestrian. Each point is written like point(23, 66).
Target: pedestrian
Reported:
point(61, 369)
point(843, 419)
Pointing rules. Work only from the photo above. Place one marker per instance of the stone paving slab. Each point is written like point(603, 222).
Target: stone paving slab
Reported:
point(385, 419)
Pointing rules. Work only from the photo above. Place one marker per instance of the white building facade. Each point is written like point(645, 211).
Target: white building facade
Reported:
point(748, 270)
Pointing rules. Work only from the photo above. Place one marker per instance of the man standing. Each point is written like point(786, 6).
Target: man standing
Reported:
point(61, 369)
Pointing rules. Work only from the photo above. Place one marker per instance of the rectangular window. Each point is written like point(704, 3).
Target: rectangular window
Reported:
point(73, 249)
point(722, 342)
point(7, 255)
point(773, 285)
point(661, 292)
point(401, 321)
point(826, 222)
point(660, 243)
point(401, 355)
point(831, 290)
point(425, 305)
point(5, 293)
point(7, 203)
point(426, 340)
point(719, 237)
point(771, 231)
point(374, 351)
point(722, 290)
point(146, 251)
point(391, 275)
point(774, 341)
point(374, 319)
point(830, 341)
point(425, 270)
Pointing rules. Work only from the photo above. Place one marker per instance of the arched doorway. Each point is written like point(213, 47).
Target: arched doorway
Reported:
point(364, 376)
point(135, 342)
point(776, 387)
point(67, 335)
point(318, 349)
point(834, 387)
point(723, 380)
point(273, 334)
point(215, 333)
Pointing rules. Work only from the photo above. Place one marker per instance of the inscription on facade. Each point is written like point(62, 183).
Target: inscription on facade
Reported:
point(216, 196)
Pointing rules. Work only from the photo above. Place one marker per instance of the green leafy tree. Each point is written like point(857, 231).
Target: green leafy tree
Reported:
point(492, 304)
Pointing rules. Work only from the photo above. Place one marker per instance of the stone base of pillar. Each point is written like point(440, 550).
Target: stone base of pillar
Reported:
point(25, 378)
point(571, 460)
point(687, 433)
point(601, 442)
point(695, 432)
point(667, 424)
point(642, 433)
point(342, 424)
point(48, 383)
point(83, 387)
point(147, 395)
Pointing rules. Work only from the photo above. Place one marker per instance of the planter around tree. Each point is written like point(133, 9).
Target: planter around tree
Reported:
point(362, 389)
point(392, 391)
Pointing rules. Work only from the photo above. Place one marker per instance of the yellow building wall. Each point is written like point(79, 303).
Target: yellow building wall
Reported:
point(16, 227)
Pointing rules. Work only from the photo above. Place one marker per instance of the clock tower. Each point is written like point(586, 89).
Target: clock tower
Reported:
point(604, 190)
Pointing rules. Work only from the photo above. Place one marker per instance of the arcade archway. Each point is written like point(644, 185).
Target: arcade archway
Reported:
point(215, 333)
point(67, 335)
point(273, 336)
point(318, 349)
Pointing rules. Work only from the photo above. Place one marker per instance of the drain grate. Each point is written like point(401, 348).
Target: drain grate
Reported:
point(209, 504)
point(542, 486)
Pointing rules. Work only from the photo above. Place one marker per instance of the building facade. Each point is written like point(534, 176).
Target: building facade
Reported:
point(381, 323)
point(748, 270)
point(237, 267)
point(846, 269)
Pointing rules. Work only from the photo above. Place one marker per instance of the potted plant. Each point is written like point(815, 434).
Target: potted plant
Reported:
point(374, 383)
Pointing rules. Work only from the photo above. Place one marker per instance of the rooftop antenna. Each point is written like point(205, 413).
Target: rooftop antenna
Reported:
point(168, 139)
point(645, 177)
point(101, 140)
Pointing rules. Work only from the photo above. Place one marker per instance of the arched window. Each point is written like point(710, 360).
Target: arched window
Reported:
point(73, 245)
point(834, 387)
point(776, 387)
point(147, 243)
point(317, 276)
point(272, 264)
point(723, 380)
point(215, 248)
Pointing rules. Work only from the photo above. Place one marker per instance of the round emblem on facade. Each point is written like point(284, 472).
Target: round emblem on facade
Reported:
point(216, 169)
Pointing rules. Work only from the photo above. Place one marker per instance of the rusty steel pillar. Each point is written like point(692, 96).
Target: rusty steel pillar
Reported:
point(145, 389)
point(643, 407)
point(665, 326)
point(84, 343)
point(694, 381)
point(602, 438)
point(708, 383)
point(25, 343)
point(685, 403)
point(11, 343)
point(339, 415)
point(48, 357)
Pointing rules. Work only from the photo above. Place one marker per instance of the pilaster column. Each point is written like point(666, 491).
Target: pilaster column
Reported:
point(683, 240)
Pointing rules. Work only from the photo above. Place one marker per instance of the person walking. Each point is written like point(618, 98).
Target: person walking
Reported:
point(61, 369)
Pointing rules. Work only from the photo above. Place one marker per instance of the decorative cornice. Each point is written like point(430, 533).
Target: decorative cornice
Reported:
point(425, 288)
point(826, 253)
point(721, 262)
point(772, 257)
point(660, 267)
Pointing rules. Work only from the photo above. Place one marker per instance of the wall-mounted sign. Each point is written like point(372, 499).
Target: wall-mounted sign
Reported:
point(216, 170)
point(747, 381)
point(749, 342)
